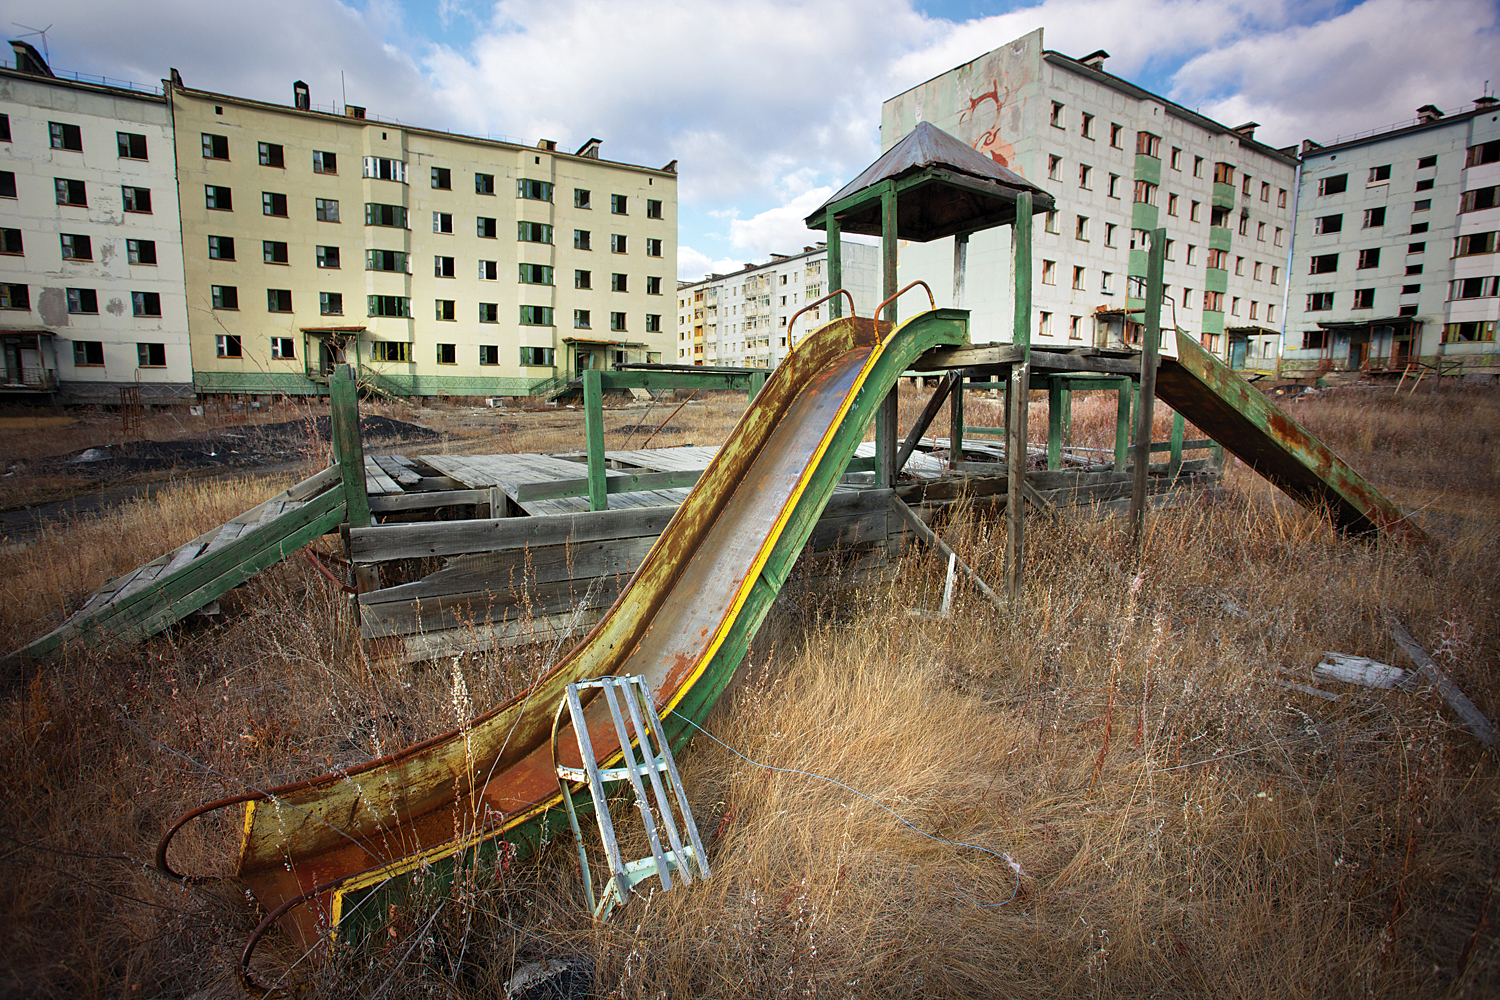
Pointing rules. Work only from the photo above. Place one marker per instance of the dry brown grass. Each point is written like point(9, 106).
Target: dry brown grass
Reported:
point(1185, 827)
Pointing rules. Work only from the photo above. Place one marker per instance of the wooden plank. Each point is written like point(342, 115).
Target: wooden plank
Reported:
point(945, 358)
point(399, 469)
point(1478, 723)
point(226, 534)
point(443, 538)
point(428, 501)
point(376, 480)
point(615, 482)
point(458, 610)
point(538, 630)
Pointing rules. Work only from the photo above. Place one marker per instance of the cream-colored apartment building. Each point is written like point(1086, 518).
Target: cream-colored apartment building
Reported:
point(740, 320)
point(439, 264)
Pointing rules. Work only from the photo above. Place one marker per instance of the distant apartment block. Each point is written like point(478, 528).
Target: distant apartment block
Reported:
point(439, 264)
point(1396, 249)
point(91, 278)
point(1120, 161)
point(740, 320)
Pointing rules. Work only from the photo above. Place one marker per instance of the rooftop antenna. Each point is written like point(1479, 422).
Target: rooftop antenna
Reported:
point(37, 31)
point(343, 89)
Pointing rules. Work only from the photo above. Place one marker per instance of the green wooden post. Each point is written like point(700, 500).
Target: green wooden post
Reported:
point(886, 416)
point(1054, 422)
point(343, 400)
point(593, 432)
point(1175, 465)
point(1150, 352)
point(1122, 423)
point(1067, 412)
point(835, 265)
point(757, 382)
point(1019, 391)
point(956, 422)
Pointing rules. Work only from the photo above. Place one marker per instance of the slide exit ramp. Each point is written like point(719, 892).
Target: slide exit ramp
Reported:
point(1256, 431)
point(334, 850)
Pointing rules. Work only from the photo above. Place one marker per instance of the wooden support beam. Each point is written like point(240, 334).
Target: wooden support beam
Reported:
point(619, 483)
point(930, 537)
point(886, 430)
point(945, 358)
point(593, 432)
point(1478, 723)
point(960, 266)
point(956, 421)
point(930, 411)
point(1151, 349)
point(427, 501)
point(1054, 423)
point(835, 264)
point(1122, 423)
point(757, 382)
point(1175, 465)
point(343, 400)
point(1019, 385)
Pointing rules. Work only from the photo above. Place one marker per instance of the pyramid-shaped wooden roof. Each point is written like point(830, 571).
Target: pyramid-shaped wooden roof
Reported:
point(942, 186)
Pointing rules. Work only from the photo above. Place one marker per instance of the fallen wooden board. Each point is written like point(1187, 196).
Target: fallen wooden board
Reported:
point(1478, 723)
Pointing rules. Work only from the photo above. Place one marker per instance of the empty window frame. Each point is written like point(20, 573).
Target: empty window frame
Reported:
point(325, 162)
point(1374, 218)
point(83, 301)
point(331, 303)
point(442, 179)
point(215, 147)
point(389, 305)
point(224, 296)
point(528, 189)
point(489, 270)
point(1147, 144)
point(398, 351)
point(1364, 298)
point(1319, 301)
point(533, 232)
point(131, 145)
point(283, 348)
point(489, 354)
point(387, 260)
point(581, 240)
point(76, 246)
point(442, 222)
point(582, 198)
point(220, 199)
point(71, 192)
point(1337, 184)
point(446, 310)
point(489, 312)
point(271, 154)
point(1326, 263)
point(537, 357)
point(140, 251)
point(273, 251)
point(327, 256)
point(653, 208)
point(383, 168)
point(227, 345)
point(1325, 224)
point(536, 274)
point(536, 316)
point(443, 267)
point(272, 203)
point(1480, 199)
point(618, 243)
point(377, 214)
point(151, 355)
point(136, 199)
point(618, 204)
point(279, 300)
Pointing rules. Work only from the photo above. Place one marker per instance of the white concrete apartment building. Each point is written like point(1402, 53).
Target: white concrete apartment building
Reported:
point(91, 279)
point(740, 320)
point(1120, 161)
point(1396, 254)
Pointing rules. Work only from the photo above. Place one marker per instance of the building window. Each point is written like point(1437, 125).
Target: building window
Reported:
point(1369, 258)
point(1115, 132)
point(377, 214)
point(1324, 264)
point(331, 303)
point(653, 247)
point(132, 146)
point(1364, 298)
point(653, 322)
point(140, 251)
point(63, 136)
point(1044, 325)
point(1277, 239)
point(1147, 144)
point(1418, 227)
point(1260, 232)
point(447, 354)
point(1416, 247)
point(489, 354)
point(1078, 278)
point(7, 183)
point(1187, 297)
point(386, 260)
point(283, 348)
point(581, 319)
point(1049, 272)
point(536, 274)
point(1075, 328)
point(1085, 174)
point(1337, 184)
point(1374, 218)
point(17, 297)
point(1053, 165)
point(1468, 246)
point(218, 198)
point(1469, 333)
point(1265, 192)
point(1413, 268)
point(1081, 228)
point(536, 315)
point(382, 168)
point(83, 300)
point(653, 286)
point(1245, 186)
point(1254, 309)
point(215, 147)
point(1314, 340)
point(1319, 301)
point(537, 357)
point(1234, 306)
point(76, 246)
point(1192, 255)
point(1145, 193)
point(390, 350)
point(1213, 301)
point(618, 204)
point(1275, 275)
point(1114, 186)
point(325, 162)
point(1244, 224)
point(1256, 275)
point(442, 179)
point(653, 208)
point(1488, 152)
point(1106, 282)
point(273, 251)
point(1171, 204)
point(442, 222)
point(1218, 260)
point(326, 209)
point(136, 199)
point(151, 355)
point(619, 283)
point(617, 322)
point(1193, 209)
point(533, 232)
point(4, 128)
point(71, 192)
point(389, 305)
point(1411, 289)
point(11, 243)
point(489, 312)
point(1326, 224)
point(221, 247)
point(1480, 199)
point(1176, 158)
point(1197, 166)
point(1421, 206)
point(529, 189)
point(1270, 313)
point(271, 155)
point(1049, 221)
point(442, 267)
point(227, 345)
point(618, 243)
point(279, 300)
point(1426, 185)
point(581, 198)
point(327, 256)
point(1474, 288)
point(581, 239)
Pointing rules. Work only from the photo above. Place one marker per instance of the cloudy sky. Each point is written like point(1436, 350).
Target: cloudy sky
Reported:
point(770, 105)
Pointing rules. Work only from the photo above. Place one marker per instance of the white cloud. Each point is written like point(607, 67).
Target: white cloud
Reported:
point(777, 229)
point(693, 265)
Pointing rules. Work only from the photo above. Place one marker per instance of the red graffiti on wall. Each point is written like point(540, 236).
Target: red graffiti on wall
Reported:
point(989, 141)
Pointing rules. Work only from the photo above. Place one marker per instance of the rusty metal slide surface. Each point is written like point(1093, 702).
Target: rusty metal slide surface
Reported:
point(684, 613)
point(1224, 406)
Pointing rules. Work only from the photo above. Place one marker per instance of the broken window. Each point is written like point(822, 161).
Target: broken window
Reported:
point(1488, 152)
point(1053, 163)
point(583, 279)
point(618, 204)
point(328, 256)
point(489, 354)
point(534, 232)
point(1049, 272)
point(1147, 144)
point(1480, 199)
point(136, 199)
point(325, 162)
point(1468, 333)
point(272, 203)
point(618, 243)
point(653, 247)
point(619, 283)
point(132, 146)
point(70, 192)
point(19, 297)
point(1324, 264)
point(390, 305)
point(150, 355)
point(1078, 278)
point(1057, 115)
point(385, 169)
point(385, 215)
point(531, 190)
point(536, 274)
point(274, 251)
point(1474, 243)
point(1374, 217)
point(447, 310)
point(65, 136)
point(215, 147)
point(283, 348)
point(271, 154)
point(617, 322)
point(1223, 173)
point(278, 300)
point(83, 300)
point(489, 270)
point(1474, 288)
point(7, 183)
point(537, 357)
point(489, 312)
point(1337, 184)
point(442, 267)
point(442, 178)
point(140, 251)
point(580, 319)
point(76, 246)
point(1115, 132)
point(1319, 301)
point(653, 208)
point(389, 350)
point(581, 239)
point(536, 316)
point(227, 345)
point(442, 222)
point(653, 286)
point(581, 198)
point(1364, 298)
point(1145, 193)
point(331, 303)
point(385, 260)
point(1326, 224)
point(1379, 174)
point(1369, 258)
point(1085, 173)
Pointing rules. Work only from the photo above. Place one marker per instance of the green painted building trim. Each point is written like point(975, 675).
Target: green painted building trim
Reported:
point(1220, 238)
point(1216, 279)
point(257, 384)
point(404, 384)
point(1147, 168)
point(1223, 196)
point(1213, 322)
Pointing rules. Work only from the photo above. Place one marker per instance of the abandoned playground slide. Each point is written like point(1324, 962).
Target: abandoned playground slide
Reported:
point(706, 551)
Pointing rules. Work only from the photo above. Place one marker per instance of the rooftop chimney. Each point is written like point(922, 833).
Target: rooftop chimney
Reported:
point(1095, 59)
point(353, 111)
point(550, 145)
point(175, 77)
point(1427, 114)
point(301, 96)
point(1486, 102)
point(590, 149)
point(670, 168)
point(1247, 130)
point(29, 60)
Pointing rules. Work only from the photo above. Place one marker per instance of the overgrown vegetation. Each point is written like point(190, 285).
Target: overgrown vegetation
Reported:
point(1184, 825)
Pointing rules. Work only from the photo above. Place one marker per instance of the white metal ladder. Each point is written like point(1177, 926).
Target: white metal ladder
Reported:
point(642, 765)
